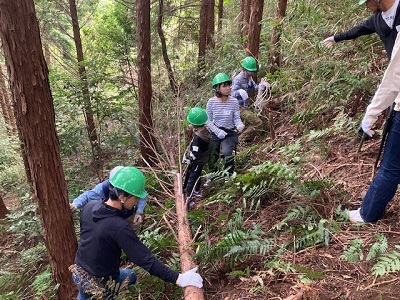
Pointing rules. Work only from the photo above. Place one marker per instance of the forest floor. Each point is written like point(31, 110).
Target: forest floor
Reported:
point(351, 173)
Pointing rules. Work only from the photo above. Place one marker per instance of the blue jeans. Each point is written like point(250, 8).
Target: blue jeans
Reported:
point(123, 273)
point(384, 185)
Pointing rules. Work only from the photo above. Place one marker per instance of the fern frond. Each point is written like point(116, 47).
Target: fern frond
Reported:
point(387, 263)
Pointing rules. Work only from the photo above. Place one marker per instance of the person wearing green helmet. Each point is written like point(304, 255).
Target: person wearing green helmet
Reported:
point(244, 82)
point(224, 122)
point(197, 154)
point(385, 22)
point(101, 192)
point(105, 233)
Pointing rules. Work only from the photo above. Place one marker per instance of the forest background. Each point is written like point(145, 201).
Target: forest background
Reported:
point(278, 229)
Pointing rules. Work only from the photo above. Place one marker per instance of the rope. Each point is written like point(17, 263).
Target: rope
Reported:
point(263, 96)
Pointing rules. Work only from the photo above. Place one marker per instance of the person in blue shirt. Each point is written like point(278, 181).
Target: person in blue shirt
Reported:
point(101, 192)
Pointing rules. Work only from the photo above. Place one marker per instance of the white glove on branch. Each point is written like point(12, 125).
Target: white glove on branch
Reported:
point(190, 278)
point(366, 127)
point(240, 127)
point(243, 94)
point(137, 219)
point(328, 42)
point(221, 134)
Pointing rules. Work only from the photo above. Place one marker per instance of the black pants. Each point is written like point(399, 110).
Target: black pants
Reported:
point(192, 179)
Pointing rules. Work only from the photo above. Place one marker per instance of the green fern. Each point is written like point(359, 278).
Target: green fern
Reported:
point(354, 252)
point(387, 263)
point(378, 248)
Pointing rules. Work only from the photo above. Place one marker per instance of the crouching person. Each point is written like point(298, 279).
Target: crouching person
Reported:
point(104, 233)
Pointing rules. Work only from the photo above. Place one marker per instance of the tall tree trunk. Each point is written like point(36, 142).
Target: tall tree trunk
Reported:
point(5, 105)
point(87, 107)
point(3, 209)
point(203, 34)
point(274, 50)
point(210, 24)
point(31, 95)
point(147, 142)
point(245, 6)
point(167, 62)
point(185, 239)
point(220, 13)
point(255, 26)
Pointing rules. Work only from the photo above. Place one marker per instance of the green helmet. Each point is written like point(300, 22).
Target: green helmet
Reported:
point(250, 64)
point(220, 78)
point(130, 180)
point(361, 2)
point(197, 116)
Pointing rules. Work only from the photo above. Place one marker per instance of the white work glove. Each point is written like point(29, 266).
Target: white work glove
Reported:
point(186, 160)
point(72, 207)
point(240, 127)
point(190, 278)
point(264, 85)
point(137, 219)
point(243, 94)
point(366, 127)
point(328, 42)
point(221, 134)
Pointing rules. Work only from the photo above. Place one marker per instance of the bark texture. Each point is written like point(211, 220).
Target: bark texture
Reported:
point(256, 12)
point(185, 239)
point(3, 208)
point(147, 142)
point(31, 96)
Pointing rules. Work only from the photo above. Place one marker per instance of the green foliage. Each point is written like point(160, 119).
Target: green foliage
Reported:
point(354, 252)
point(387, 263)
point(379, 247)
point(25, 223)
point(42, 284)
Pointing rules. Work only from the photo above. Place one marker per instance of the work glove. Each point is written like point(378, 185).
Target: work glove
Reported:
point(186, 160)
point(137, 219)
point(243, 94)
point(72, 207)
point(221, 134)
point(190, 278)
point(328, 42)
point(240, 127)
point(264, 85)
point(366, 127)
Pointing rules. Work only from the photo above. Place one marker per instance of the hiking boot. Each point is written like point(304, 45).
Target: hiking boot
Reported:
point(355, 216)
point(197, 194)
point(191, 204)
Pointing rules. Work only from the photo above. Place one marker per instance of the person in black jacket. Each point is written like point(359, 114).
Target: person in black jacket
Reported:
point(385, 22)
point(198, 153)
point(105, 233)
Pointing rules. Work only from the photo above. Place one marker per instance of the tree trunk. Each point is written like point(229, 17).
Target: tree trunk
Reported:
point(31, 96)
point(245, 6)
point(147, 142)
point(274, 50)
point(220, 13)
point(87, 106)
point(3, 209)
point(255, 26)
point(203, 34)
point(185, 239)
point(210, 24)
point(167, 62)
point(5, 105)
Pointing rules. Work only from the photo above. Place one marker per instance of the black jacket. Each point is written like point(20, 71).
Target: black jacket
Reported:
point(374, 24)
point(104, 234)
